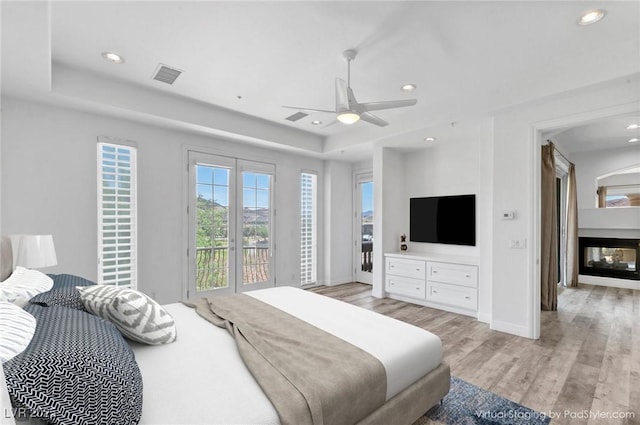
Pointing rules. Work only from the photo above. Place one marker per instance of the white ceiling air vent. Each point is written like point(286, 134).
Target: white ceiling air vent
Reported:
point(166, 74)
point(297, 116)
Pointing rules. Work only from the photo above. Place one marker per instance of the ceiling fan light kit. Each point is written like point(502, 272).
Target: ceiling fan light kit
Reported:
point(348, 117)
point(348, 110)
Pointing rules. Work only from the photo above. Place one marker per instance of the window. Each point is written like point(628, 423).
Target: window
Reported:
point(117, 221)
point(620, 196)
point(308, 228)
point(620, 188)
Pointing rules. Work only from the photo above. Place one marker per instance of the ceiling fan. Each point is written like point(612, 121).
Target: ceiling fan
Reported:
point(348, 110)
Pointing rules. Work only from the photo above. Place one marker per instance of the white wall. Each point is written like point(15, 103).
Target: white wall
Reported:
point(338, 229)
point(49, 186)
point(593, 164)
point(445, 169)
point(390, 203)
point(605, 222)
point(450, 167)
point(516, 187)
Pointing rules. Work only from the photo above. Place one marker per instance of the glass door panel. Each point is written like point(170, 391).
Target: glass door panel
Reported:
point(211, 225)
point(230, 200)
point(364, 224)
point(256, 224)
point(212, 228)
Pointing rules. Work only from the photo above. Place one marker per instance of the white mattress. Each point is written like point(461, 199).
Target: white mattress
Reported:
point(198, 380)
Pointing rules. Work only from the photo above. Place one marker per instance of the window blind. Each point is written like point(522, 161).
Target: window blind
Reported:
point(117, 215)
point(308, 228)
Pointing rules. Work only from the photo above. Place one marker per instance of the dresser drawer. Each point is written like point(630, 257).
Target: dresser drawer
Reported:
point(406, 267)
point(415, 288)
point(453, 273)
point(454, 295)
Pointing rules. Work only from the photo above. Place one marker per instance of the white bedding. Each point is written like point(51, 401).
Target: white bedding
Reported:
point(204, 381)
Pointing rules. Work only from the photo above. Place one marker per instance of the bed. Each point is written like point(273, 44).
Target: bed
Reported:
point(202, 377)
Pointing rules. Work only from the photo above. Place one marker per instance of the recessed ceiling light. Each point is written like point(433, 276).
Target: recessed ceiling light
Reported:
point(635, 139)
point(633, 126)
point(316, 122)
point(408, 87)
point(591, 17)
point(112, 57)
point(429, 139)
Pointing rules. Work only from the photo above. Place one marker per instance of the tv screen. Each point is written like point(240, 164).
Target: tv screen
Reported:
point(443, 219)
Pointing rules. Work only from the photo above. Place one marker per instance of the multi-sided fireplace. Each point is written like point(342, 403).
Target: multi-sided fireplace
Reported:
point(610, 257)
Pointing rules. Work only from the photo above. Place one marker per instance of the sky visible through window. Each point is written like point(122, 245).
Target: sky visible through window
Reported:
point(367, 196)
point(214, 182)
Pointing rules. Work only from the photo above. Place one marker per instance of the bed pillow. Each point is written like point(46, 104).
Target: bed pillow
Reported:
point(137, 316)
point(24, 284)
point(6, 257)
point(77, 369)
point(64, 292)
point(16, 330)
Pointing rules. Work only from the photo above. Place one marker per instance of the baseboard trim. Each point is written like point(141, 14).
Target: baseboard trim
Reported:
point(510, 328)
point(484, 317)
point(607, 281)
point(335, 282)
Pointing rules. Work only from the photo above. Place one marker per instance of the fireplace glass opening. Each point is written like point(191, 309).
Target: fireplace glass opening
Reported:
point(606, 257)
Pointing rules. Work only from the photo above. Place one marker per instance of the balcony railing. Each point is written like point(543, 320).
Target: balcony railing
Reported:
point(366, 258)
point(212, 264)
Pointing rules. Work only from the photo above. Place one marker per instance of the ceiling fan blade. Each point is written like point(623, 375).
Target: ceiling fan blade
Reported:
point(342, 96)
point(389, 104)
point(366, 116)
point(309, 109)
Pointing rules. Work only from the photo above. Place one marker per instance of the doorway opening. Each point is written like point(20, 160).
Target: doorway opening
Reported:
point(230, 217)
point(364, 243)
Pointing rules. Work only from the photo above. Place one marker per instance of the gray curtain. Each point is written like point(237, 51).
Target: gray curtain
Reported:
point(572, 228)
point(549, 233)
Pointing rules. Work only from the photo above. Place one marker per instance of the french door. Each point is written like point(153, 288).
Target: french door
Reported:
point(364, 228)
point(230, 225)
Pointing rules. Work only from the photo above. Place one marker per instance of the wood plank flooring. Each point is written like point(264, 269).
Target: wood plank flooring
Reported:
point(584, 369)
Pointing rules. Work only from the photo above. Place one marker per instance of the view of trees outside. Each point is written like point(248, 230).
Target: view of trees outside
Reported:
point(212, 227)
point(256, 215)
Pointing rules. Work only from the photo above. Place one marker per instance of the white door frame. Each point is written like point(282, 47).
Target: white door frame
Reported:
point(262, 168)
point(534, 229)
point(358, 178)
point(235, 229)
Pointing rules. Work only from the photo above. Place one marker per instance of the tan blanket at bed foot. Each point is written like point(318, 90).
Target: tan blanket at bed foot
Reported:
point(310, 376)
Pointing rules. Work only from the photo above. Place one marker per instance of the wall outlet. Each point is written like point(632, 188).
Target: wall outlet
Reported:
point(518, 243)
point(508, 215)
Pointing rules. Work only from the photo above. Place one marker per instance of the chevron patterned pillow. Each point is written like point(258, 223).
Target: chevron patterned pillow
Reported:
point(136, 315)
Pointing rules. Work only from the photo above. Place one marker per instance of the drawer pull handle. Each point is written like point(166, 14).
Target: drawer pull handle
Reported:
point(392, 266)
point(434, 291)
point(435, 272)
point(417, 269)
point(467, 275)
point(417, 288)
point(467, 298)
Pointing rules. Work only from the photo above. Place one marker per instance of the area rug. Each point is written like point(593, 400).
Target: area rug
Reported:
point(467, 404)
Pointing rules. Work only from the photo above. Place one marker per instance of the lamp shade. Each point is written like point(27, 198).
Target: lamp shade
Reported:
point(33, 251)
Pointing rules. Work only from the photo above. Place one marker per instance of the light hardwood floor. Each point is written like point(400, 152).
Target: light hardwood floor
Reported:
point(587, 361)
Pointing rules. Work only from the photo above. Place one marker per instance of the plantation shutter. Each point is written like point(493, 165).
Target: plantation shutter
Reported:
point(117, 214)
point(308, 227)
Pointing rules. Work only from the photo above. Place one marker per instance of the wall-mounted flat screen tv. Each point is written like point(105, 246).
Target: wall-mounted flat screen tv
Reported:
point(443, 219)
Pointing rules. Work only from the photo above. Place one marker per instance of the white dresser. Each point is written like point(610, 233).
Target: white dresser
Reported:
point(439, 281)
